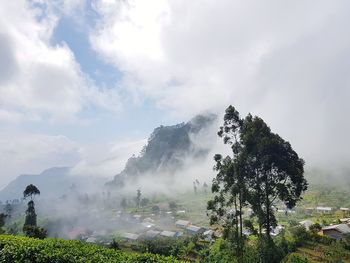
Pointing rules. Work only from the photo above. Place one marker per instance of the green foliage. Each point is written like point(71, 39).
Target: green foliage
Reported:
point(2, 219)
point(165, 246)
point(250, 226)
point(220, 251)
point(8, 209)
point(263, 168)
point(30, 219)
point(35, 232)
point(335, 252)
point(296, 259)
point(299, 234)
point(268, 251)
point(17, 249)
point(315, 228)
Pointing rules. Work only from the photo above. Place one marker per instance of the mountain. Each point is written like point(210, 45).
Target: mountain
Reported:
point(53, 182)
point(167, 149)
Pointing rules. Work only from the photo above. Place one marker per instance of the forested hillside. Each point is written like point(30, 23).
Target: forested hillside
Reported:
point(167, 149)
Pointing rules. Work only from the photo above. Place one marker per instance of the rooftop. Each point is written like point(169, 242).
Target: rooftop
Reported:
point(324, 208)
point(130, 236)
point(152, 233)
point(194, 228)
point(343, 228)
point(182, 222)
point(166, 233)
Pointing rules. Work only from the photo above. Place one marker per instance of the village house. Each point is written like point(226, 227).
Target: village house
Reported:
point(148, 220)
point(91, 240)
point(152, 233)
point(208, 235)
point(147, 225)
point(182, 223)
point(277, 230)
point(166, 233)
point(345, 220)
point(336, 231)
point(137, 217)
point(130, 236)
point(324, 210)
point(194, 230)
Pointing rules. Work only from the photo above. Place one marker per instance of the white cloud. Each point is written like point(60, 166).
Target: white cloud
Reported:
point(37, 77)
point(285, 61)
point(106, 160)
point(33, 153)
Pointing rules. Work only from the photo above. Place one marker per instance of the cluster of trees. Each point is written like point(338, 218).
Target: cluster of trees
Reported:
point(139, 201)
point(263, 168)
point(30, 227)
point(196, 185)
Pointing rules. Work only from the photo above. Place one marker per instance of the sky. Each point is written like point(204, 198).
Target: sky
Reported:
point(85, 81)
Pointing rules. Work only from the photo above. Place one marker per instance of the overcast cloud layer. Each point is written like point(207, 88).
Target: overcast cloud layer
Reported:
point(286, 61)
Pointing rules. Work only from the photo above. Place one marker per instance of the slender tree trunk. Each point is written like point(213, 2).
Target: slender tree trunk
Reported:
point(267, 204)
point(238, 240)
point(258, 190)
point(240, 229)
point(240, 216)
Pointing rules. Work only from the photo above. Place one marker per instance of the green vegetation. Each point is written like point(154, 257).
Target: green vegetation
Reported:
point(263, 169)
point(16, 249)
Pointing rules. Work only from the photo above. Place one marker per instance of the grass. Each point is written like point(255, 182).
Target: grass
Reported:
point(317, 253)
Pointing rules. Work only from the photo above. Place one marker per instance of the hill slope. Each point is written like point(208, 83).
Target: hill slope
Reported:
point(52, 182)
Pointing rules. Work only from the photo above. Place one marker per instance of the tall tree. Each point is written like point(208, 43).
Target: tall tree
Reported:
point(30, 219)
point(8, 209)
point(230, 184)
point(138, 198)
point(30, 223)
point(173, 207)
point(2, 222)
point(123, 203)
point(263, 168)
point(276, 171)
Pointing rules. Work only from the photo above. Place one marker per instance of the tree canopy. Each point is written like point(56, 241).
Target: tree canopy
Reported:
point(30, 191)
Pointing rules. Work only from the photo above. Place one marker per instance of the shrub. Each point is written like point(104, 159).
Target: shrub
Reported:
point(296, 259)
point(16, 249)
point(299, 234)
point(35, 232)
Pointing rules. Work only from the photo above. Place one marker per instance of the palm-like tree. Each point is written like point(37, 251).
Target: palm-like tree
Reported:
point(30, 191)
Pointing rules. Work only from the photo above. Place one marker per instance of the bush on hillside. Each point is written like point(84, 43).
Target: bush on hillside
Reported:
point(16, 249)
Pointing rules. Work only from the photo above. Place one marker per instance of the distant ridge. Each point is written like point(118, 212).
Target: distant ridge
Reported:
point(50, 181)
point(53, 182)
